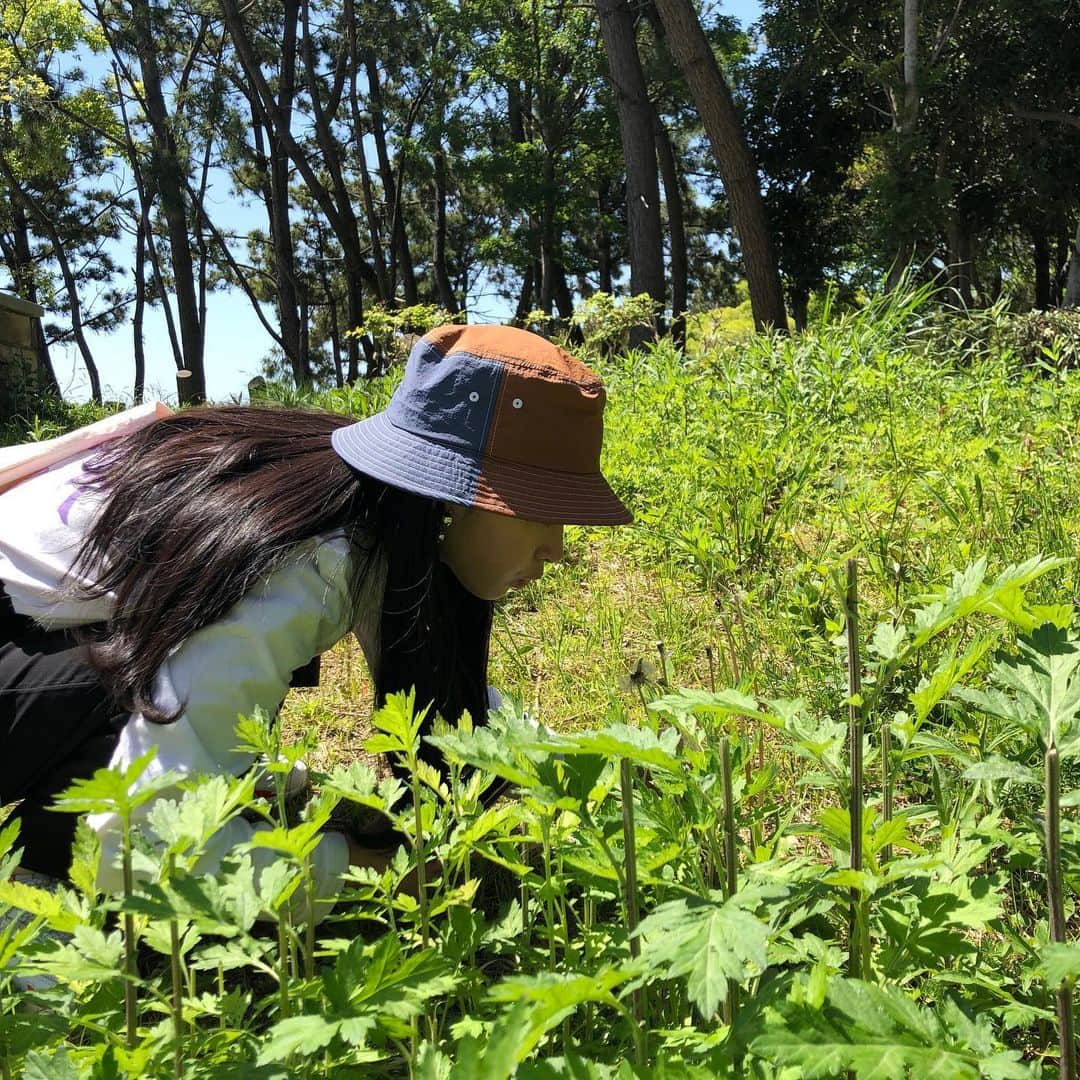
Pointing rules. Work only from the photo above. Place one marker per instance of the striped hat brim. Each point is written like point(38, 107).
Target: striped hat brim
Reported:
point(379, 448)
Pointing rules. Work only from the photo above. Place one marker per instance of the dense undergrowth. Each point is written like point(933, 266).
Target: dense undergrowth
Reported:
point(676, 889)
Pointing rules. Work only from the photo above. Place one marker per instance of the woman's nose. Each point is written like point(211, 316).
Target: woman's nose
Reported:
point(551, 550)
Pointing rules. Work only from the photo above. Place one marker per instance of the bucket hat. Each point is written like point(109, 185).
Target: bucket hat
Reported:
point(492, 417)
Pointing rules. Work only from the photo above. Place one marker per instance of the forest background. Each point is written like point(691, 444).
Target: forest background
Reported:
point(303, 169)
point(859, 855)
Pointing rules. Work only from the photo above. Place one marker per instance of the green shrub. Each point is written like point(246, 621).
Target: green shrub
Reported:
point(1042, 338)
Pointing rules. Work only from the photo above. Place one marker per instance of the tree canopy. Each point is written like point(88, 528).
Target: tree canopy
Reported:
point(400, 153)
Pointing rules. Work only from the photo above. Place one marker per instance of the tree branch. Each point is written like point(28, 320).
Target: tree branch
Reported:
point(1072, 119)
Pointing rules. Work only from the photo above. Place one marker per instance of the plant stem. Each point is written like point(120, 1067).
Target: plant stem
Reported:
point(712, 668)
point(177, 989)
point(309, 930)
point(283, 965)
point(524, 903)
point(662, 650)
point(644, 703)
point(1054, 888)
point(549, 904)
point(421, 867)
point(731, 877)
point(626, 784)
point(886, 783)
point(5, 1065)
point(856, 957)
point(588, 916)
point(129, 934)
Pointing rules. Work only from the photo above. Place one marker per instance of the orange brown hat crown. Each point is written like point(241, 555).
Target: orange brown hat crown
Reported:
point(493, 417)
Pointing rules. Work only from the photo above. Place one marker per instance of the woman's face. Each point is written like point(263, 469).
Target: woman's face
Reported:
point(492, 553)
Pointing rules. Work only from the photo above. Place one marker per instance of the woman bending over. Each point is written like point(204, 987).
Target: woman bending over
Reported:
point(154, 589)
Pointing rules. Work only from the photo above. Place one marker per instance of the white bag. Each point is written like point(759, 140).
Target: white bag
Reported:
point(26, 459)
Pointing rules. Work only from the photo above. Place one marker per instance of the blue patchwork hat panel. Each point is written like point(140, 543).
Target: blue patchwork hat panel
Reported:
point(452, 402)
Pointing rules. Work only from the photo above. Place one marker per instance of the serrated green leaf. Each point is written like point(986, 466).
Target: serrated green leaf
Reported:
point(296, 1035)
point(639, 745)
point(1060, 963)
point(879, 1033)
point(54, 1066)
point(202, 809)
point(729, 702)
point(34, 901)
point(996, 767)
point(887, 641)
point(708, 942)
point(112, 791)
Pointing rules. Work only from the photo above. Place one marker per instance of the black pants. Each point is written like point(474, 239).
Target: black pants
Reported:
point(57, 725)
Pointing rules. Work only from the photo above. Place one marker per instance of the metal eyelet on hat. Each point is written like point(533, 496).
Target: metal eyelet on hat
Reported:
point(474, 396)
point(517, 403)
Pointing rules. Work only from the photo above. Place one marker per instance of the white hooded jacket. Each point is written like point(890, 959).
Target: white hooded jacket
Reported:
point(243, 660)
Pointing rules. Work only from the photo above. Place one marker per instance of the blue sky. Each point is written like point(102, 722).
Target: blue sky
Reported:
point(235, 340)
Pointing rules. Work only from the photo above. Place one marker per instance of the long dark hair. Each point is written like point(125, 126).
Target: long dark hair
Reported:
point(202, 505)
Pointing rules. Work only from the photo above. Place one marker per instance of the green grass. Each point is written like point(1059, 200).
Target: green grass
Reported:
point(755, 470)
point(912, 441)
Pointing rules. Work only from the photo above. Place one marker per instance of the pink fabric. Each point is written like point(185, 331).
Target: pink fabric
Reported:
point(26, 459)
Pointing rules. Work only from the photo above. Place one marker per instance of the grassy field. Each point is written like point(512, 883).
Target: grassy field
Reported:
point(754, 471)
point(676, 889)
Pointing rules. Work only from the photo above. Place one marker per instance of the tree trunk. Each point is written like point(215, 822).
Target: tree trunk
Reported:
point(170, 186)
point(138, 344)
point(331, 308)
point(360, 129)
point(603, 240)
point(332, 153)
point(1072, 282)
point(335, 346)
point(514, 115)
point(547, 239)
point(273, 171)
point(305, 342)
point(22, 273)
point(378, 255)
point(1041, 256)
point(46, 374)
point(442, 278)
point(524, 304)
point(146, 200)
point(564, 302)
point(354, 309)
point(905, 113)
point(691, 52)
point(336, 205)
point(639, 151)
point(48, 227)
point(1060, 267)
point(277, 200)
point(911, 68)
point(676, 230)
point(201, 223)
point(400, 253)
point(72, 287)
point(185, 394)
point(288, 301)
point(960, 261)
point(800, 301)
